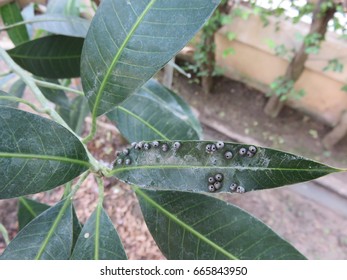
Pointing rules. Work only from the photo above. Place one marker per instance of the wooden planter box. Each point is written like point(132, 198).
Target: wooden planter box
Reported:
point(256, 64)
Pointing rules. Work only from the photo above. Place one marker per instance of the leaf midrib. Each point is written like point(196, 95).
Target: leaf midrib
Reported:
point(117, 56)
point(184, 225)
point(45, 157)
point(328, 169)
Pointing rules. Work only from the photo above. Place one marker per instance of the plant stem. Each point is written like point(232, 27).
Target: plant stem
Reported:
point(21, 100)
point(31, 84)
point(98, 214)
point(57, 86)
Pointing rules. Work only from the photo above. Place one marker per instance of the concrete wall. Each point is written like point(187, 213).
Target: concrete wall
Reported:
point(256, 63)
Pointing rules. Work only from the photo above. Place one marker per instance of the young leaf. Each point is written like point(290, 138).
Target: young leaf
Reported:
point(55, 57)
point(195, 226)
point(129, 41)
point(28, 210)
point(10, 14)
point(190, 166)
point(155, 112)
point(48, 236)
point(98, 240)
point(34, 154)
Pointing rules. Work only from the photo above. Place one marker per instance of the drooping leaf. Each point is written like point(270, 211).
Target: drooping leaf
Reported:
point(195, 226)
point(10, 14)
point(48, 236)
point(55, 56)
point(155, 112)
point(34, 154)
point(129, 41)
point(189, 167)
point(28, 210)
point(98, 239)
point(67, 25)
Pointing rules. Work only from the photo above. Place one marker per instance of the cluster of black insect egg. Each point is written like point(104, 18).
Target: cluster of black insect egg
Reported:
point(235, 188)
point(250, 152)
point(213, 147)
point(123, 157)
point(155, 144)
point(215, 182)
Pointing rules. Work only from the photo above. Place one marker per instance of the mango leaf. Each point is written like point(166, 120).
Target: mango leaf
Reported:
point(48, 236)
point(195, 226)
point(10, 14)
point(98, 239)
point(188, 166)
point(67, 7)
point(67, 25)
point(155, 112)
point(129, 41)
point(28, 210)
point(34, 156)
point(55, 57)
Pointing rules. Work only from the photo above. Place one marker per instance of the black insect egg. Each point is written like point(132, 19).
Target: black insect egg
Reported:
point(125, 152)
point(217, 185)
point(127, 161)
point(233, 186)
point(155, 144)
point(228, 155)
point(240, 189)
point(252, 149)
point(219, 177)
point(250, 154)
point(213, 148)
point(211, 188)
point(208, 148)
point(242, 151)
point(211, 180)
point(119, 161)
point(176, 145)
point(220, 145)
point(165, 147)
point(146, 146)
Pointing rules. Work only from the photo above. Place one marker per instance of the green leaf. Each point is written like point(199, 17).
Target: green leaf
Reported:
point(67, 25)
point(36, 154)
point(55, 57)
point(48, 236)
point(155, 112)
point(10, 14)
point(98, 239)
point(189, 167)
point(67, 7)
point(28, 210)
point(129, 41)
point(195, 226)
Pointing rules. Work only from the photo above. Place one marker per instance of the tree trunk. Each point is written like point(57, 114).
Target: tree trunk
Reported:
point(297, 65)
point(209, 47)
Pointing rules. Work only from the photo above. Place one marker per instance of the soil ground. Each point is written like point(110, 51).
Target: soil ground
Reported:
point(317, 231)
